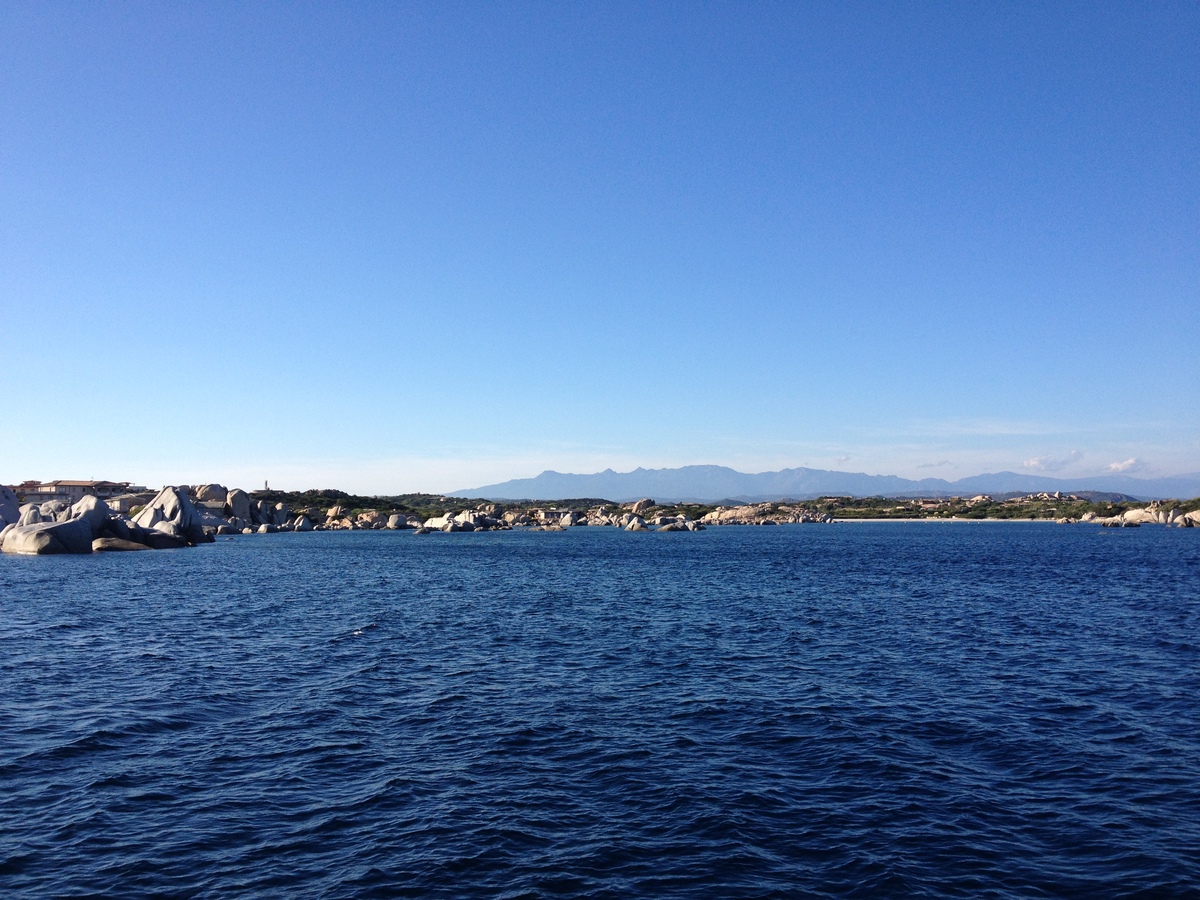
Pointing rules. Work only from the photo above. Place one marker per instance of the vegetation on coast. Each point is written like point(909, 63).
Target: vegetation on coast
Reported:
point(1028, 506)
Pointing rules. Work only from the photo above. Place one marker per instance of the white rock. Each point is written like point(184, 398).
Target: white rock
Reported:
point(238, 503)
point(49, 537)
point(471, 519)
point(93, 510)
point(52, 509)
point(211, 493)
point(75, 535)
point(1141, 516)
point(172, 506)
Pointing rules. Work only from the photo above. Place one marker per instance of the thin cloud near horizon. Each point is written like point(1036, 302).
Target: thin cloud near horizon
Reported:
point(1133, 464)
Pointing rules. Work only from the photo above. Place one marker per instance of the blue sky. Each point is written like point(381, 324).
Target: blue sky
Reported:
point(394, 247)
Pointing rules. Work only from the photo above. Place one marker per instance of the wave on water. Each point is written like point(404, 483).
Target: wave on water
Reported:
point(860, 710)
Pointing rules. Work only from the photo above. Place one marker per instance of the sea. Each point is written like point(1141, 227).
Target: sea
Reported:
point(861, 709)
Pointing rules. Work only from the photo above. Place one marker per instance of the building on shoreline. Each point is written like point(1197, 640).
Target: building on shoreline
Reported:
point(72, 491)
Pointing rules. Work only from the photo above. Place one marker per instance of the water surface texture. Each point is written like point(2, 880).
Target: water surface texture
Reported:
point(858, 709)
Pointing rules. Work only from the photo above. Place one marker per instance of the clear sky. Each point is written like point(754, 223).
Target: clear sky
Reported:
point(392, 247)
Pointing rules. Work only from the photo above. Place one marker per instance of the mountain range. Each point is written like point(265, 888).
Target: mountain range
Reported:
point(711, 484)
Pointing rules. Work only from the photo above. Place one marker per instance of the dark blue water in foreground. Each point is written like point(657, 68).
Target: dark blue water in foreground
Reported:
point(866, 709)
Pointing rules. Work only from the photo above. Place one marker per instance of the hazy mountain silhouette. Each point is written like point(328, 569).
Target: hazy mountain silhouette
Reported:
point(708, 484)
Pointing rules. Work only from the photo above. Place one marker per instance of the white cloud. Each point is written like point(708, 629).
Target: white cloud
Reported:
point(1051, 464)
point(1133, 464)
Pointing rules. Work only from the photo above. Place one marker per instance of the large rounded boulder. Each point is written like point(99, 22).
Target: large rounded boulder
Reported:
point(237, 502)
point(84, 523)
point(172, 513)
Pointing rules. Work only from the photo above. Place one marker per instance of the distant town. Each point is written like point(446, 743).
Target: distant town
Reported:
point(74, 491)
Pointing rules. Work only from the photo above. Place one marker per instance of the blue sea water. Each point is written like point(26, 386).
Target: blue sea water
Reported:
point(977, 710)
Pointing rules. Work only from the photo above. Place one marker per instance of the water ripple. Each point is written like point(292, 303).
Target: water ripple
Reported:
point(865, 710)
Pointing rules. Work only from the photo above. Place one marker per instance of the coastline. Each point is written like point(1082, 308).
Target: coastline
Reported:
point(185, 515)
point(953, 520)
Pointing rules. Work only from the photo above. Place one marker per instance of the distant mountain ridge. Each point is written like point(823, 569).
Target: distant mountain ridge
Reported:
point(710, 484)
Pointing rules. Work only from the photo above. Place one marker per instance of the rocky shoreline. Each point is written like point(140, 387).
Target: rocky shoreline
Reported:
point(181, 516)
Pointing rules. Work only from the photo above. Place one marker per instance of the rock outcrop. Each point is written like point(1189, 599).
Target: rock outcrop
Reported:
point(1141, 516)
point(83, 523)
point(211, 493)
point(109, 544)
point(474, 520)
point(159, 540)
point(172, 513)
point(763, 514)
point(237, 502)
